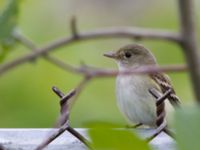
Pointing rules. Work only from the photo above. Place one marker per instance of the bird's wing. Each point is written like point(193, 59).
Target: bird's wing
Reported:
point(164, 82)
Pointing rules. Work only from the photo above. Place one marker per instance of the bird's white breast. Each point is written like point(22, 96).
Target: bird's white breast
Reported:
point(134, 99)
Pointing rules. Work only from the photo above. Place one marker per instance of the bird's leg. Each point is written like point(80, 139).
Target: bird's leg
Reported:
point(134, 126)
point(160, 111)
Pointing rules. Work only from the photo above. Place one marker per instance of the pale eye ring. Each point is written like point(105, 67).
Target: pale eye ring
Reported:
point(128, 54)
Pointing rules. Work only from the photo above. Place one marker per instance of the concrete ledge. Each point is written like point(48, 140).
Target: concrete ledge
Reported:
point(28, 139)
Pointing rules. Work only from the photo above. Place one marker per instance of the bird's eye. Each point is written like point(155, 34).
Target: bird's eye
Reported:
point(127, 54)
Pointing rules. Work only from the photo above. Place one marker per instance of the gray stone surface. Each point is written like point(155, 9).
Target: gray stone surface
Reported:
point(28, 139)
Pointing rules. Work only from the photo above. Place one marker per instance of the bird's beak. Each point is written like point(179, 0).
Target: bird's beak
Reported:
point(111, 54)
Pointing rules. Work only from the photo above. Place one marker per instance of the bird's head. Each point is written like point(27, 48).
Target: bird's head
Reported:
point(132, 56)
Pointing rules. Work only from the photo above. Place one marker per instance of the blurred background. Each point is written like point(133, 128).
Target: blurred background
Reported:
point(26, 99)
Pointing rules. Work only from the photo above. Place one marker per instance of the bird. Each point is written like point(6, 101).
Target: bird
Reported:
point(134, 100)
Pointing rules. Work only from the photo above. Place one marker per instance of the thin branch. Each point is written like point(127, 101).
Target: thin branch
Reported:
point(66, 101)
point(32, 46)
point(25, 41)
point(74, 29)
point(79, 89)
point(189, 42)
point(59, 93)
point(89, 71)
point(102, 72)
point(114, 32)
point(97, 72)
point(84, 69)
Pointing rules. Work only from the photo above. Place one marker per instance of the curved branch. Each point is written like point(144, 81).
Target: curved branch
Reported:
point(114, 32)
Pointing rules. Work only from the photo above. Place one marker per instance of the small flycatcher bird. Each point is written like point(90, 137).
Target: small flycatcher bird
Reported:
point(132, 91)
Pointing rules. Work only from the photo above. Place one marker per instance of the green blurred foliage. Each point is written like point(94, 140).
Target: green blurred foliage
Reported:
point(187, 125)
point(25, 92)
point(8, 22)
point(105, 137)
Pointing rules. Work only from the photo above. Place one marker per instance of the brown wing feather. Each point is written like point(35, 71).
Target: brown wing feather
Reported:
point(164, 82)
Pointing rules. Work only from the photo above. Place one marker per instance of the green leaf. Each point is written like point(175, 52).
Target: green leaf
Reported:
point(104, 137)
point(8, 22)
point(187, 125)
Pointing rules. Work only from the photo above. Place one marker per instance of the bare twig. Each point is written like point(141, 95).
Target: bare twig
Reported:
point(189, 42)
point(102, 72)
point(114, 32)
point(32, 46)
point(91, 71)
point(74, 29)
point(99, 72)
point(25, 41)
point(79, 89)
